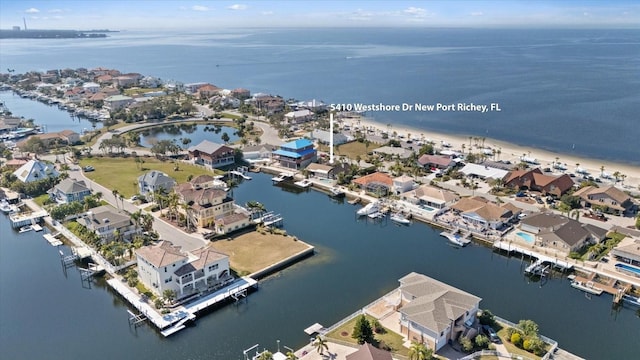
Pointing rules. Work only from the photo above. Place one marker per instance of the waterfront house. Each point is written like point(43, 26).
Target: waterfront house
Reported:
point(212, 154)
point(609, 199)
point(91, 87)
point(154, 180)
point(535, 180)
point(377, 183)
point(481, 212)
point(107, 222)
point(296, 154)
point(369, 352)
point(629, 253)
point(241, 94)
point(192, 88)
point(232, 222)
point(432, 312)
point(117, 102)
point(483, 172)
point(69, 190)
point(57, 138)
point(403, 183)
point(321, 171)
point(205, 204)
point(299, 116)
point(207, 181)
point(324, 137)
point(442, 162)
point(163, 266)
point(559, 232)
point(207, 91)
point(434, 197)
point(258, 153)
point(35, 170)
point(125, 80)
point(267, 104)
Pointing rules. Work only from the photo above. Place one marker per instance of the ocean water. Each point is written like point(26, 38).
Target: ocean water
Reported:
point(568, 91)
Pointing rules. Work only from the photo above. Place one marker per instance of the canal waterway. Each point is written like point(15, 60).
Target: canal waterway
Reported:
point(49, 116)
point(356, 262)
point(195, 133)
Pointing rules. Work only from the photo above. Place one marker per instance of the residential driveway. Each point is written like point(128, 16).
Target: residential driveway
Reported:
point(166, 231)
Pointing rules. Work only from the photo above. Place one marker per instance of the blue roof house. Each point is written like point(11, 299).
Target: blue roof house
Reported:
point(296, 154)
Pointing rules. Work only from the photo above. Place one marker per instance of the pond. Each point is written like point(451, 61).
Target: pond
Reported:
point(195, 133)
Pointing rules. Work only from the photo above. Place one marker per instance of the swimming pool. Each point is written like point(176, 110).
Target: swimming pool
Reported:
point(632, 269)
point(526, 237)
point(427, 208)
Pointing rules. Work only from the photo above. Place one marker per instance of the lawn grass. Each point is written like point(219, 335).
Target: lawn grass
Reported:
point(231, 116)
point(122, 173)
point(41, 199)
point(243, 250)
point(392, 339)
point(351, 149)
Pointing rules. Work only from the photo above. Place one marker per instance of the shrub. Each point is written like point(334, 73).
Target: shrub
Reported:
point(376, 326)
point(486, 318)
point(516, 339)
point(158, 303)
point(526, 344)
point(482, 341)
point(510, 332)
point(466, 344)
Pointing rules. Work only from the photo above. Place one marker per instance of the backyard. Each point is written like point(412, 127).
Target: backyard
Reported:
point(390, 338)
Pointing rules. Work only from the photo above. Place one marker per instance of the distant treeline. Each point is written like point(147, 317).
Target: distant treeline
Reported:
point(50, 34)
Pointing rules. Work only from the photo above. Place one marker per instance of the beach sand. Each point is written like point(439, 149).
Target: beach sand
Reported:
point(515, 152)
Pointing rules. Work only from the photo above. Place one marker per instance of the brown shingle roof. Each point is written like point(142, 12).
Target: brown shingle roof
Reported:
point(369, 352)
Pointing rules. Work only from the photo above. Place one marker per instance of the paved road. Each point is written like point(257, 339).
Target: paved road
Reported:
point(166, 231)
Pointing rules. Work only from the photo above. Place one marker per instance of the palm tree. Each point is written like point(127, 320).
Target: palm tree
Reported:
point(463, 148)
point(616, 175)
point(419, 351)
point(291, 356)
point(115, 193)
point(266, 355)
point(602, 171)
point(321, 345)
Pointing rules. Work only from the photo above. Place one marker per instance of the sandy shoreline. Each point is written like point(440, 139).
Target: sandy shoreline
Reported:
point(513, 152)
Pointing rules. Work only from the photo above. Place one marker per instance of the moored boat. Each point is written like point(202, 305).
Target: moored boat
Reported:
point(400, 219)
point(336, 193)
point(588, 287)
point(25, 229)
point(370, 208)
point(456, 238)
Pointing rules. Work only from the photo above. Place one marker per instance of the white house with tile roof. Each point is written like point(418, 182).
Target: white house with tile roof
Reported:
point(164, 266)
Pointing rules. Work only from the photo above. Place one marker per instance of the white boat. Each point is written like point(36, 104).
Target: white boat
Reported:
point(376, 215)
point(587, 287)
point(400, 219)
point(25, 229)
point(336, 193)
point(370, 208)
point(456, 238)
point(282, 177)
point(5, 207)
point(305, 183)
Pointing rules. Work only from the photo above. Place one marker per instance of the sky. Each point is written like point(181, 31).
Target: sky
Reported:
point(203, 14)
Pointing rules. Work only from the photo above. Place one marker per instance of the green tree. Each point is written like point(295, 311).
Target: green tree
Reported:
point(291, 356)
point(466, 343)
point(486, 317)
point(225, 137)
point(362, 331)
point(169, 295)
point(419, 351)
point(320, 345)
point(528, 327)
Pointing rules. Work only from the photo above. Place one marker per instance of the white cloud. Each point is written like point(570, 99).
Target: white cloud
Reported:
point(237, 7)
point(266, 13)
point(199, 8)
point(415, 11)
point(55, 11)
point(477, 13)
point(32, 11)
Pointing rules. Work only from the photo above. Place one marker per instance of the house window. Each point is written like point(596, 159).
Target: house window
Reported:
point(213, 267)
point(168, 280)
point(165, 269)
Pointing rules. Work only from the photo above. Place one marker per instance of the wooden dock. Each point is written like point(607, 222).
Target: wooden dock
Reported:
point(171, 323)
point(19, 220)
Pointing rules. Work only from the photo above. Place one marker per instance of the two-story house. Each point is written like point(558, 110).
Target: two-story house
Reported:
point(153, 181)
point(108, 222)
point(205, 204)
point(69, 190)
point(432, 312)
point(608, 199)
point(296, 154)
point(211, 154)
point(163, 266)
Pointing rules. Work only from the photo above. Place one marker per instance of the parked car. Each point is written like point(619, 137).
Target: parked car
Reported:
point(521, 194)
point(88, 168)
point(493, 336)
point(539, 200)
